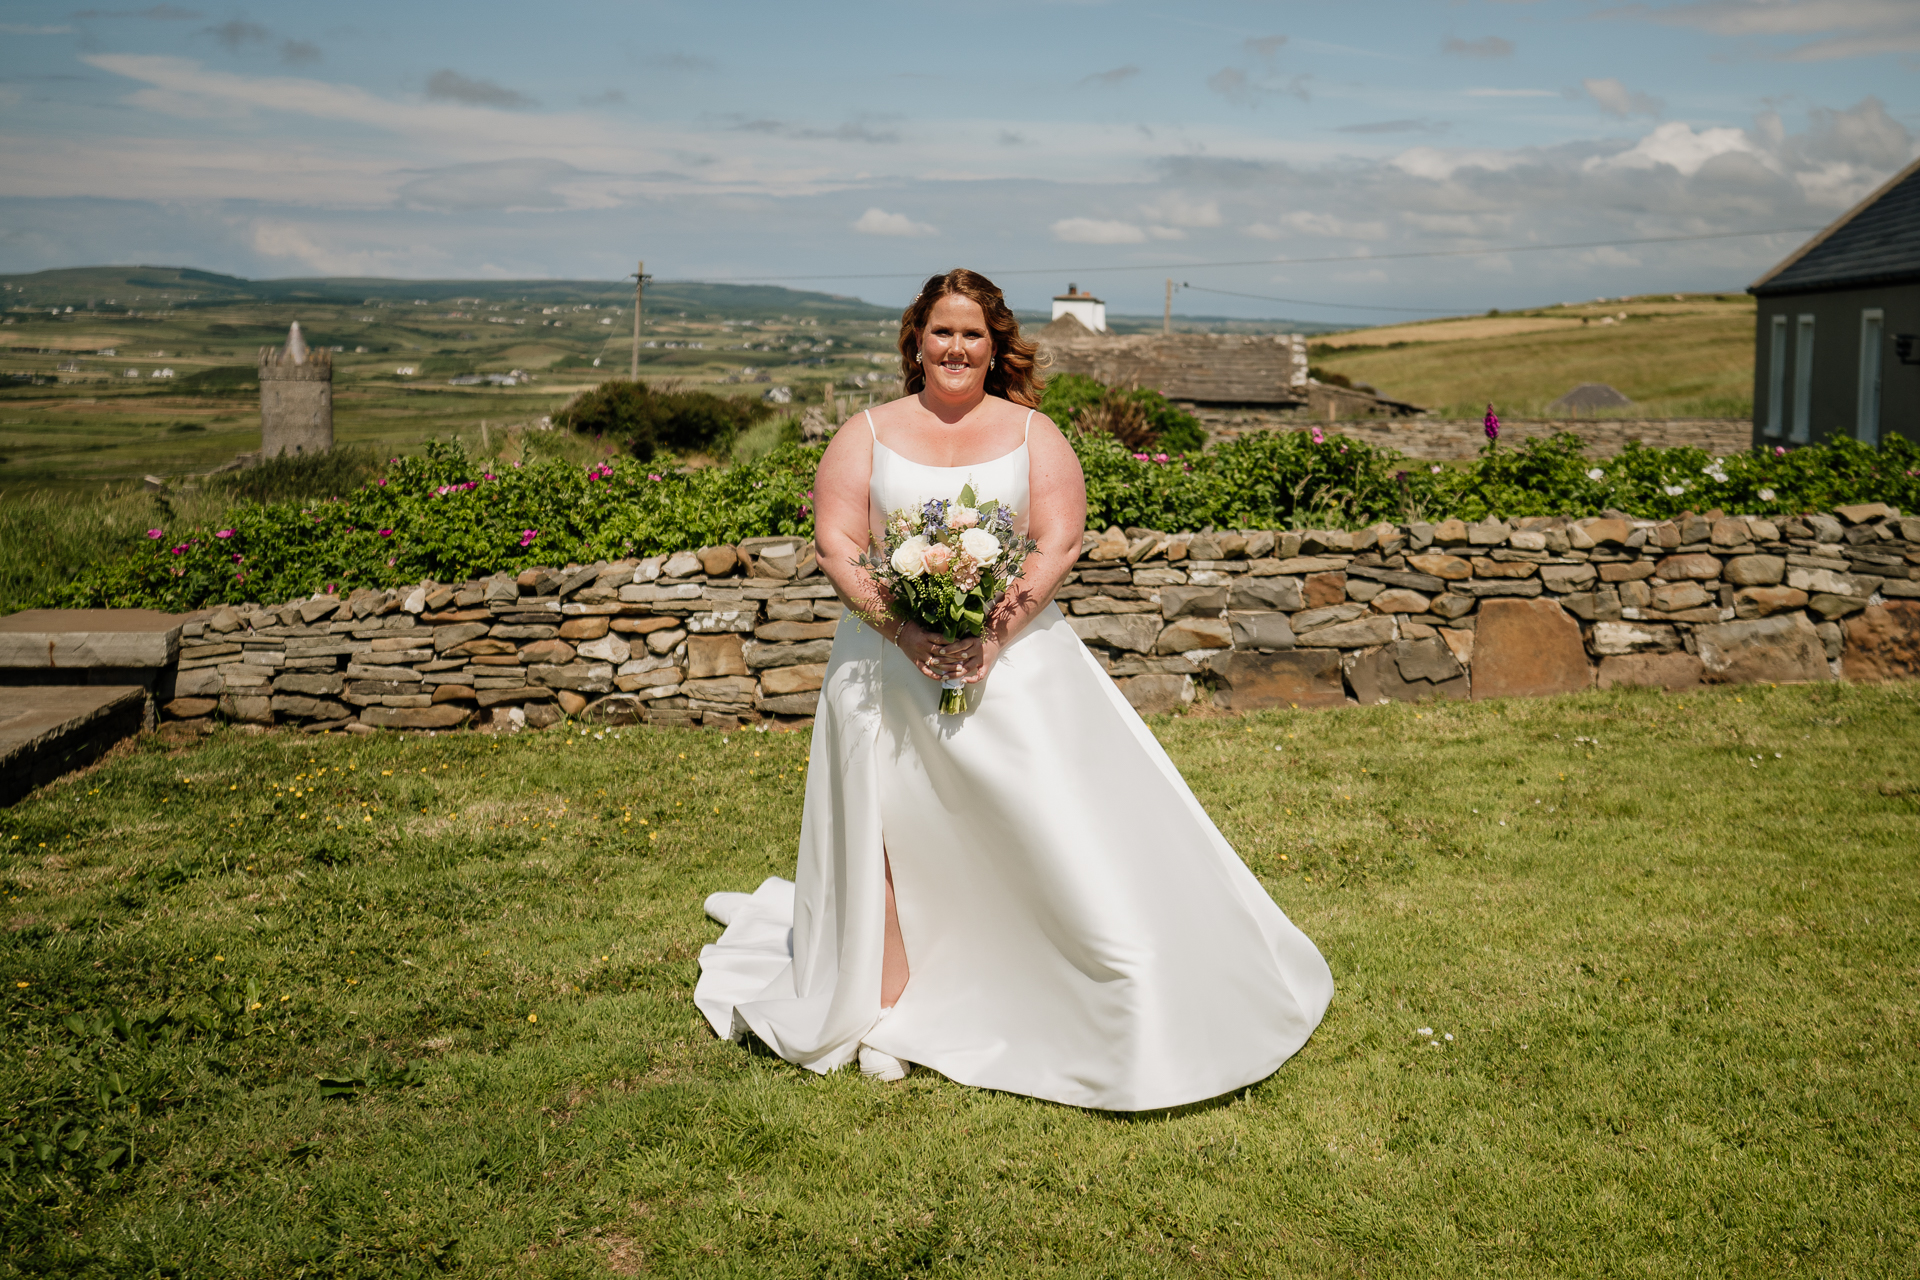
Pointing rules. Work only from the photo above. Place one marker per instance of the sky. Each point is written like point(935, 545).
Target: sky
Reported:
point(856, 148)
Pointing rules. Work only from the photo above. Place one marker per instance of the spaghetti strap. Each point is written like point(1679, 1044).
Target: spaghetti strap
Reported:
point(1026, 428)
point(870, 430)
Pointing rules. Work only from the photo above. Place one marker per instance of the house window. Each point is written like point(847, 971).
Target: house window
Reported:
point(1866, 427)
point(1777, 377)
point(1802, 380)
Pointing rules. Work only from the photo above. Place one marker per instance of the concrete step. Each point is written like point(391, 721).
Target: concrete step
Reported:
point(48, 730)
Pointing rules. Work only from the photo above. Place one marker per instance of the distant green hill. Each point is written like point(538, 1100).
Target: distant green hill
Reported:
point(184, 287)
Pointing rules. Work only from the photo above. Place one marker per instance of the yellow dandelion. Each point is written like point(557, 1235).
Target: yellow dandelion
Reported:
point(533, 1017)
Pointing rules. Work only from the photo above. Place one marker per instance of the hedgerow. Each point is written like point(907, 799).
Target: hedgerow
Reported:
point(446, 516)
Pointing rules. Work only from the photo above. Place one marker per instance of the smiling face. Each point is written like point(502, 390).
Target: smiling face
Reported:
point(955, 347)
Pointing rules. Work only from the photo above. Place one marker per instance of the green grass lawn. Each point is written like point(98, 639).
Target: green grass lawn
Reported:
point(286, 1006)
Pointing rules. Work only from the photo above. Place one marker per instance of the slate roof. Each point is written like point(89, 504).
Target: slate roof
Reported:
point(1200, 368)
point(1875, 242)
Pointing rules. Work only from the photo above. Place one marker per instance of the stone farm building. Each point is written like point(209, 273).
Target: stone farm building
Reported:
point(1233, 383)
point(1834, 343)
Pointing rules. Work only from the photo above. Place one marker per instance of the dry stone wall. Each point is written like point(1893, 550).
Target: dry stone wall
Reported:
point(1306, 618)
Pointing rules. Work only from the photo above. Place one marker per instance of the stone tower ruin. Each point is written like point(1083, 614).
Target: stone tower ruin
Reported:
point(296, 398)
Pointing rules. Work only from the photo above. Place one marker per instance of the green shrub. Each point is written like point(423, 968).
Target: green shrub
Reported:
point(295, 477)
point(646, 422)
point(1068, 395)
point(448, 517)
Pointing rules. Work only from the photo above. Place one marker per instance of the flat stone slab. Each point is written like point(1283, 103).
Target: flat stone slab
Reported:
point(49, 729)
point(58, 638)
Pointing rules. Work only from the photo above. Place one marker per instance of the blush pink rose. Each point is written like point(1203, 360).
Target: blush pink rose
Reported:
point(938, 557)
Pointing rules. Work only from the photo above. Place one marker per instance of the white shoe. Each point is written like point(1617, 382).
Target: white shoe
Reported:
point(876, 1065)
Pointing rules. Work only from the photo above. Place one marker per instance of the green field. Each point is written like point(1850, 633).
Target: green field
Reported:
point(1682, 357)
point(400, 1006)
point(80, 427)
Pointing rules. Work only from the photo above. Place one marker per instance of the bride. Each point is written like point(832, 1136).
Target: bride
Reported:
point(1024, 897)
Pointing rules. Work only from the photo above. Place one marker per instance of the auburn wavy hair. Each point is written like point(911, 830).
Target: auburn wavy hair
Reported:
point(1014, 375)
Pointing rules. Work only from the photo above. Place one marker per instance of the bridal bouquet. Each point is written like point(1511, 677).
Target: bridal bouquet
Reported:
point(945, 565)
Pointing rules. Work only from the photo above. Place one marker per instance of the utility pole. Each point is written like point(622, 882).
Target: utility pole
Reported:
point(1166, 319)
point(640, 278)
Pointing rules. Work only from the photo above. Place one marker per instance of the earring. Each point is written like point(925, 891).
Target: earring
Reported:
point(917, 359)
point(990, 363)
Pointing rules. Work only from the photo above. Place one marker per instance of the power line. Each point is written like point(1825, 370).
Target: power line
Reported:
point(1271, 262)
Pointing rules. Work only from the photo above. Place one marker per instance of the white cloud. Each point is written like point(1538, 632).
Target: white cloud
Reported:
point(878, 222)
point(1511, 93)
point(1617, 100)
point(1440, 165)
point(1175, 209)
point(497, 184)
point(1096, 231)
point(30, 29)
point(1843, 28)
point(292, 241)
point(1677, 146)
point(1166, 233)
point(1314, 223)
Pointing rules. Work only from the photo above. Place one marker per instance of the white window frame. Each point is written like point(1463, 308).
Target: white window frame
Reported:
point(1776, 378)
point(1802, 379)
point(1873, 337)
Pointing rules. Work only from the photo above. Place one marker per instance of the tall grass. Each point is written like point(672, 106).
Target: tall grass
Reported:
point(47, 539)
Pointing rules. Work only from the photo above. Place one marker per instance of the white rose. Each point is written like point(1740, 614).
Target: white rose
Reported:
point(980, 545)
point(910, 557)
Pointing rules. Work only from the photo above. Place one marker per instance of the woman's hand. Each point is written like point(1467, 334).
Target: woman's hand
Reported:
point(986, 653)
point(933, 654)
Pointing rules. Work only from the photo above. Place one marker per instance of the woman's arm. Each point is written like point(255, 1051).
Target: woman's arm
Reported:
point(842, 527)
point(1056, 518)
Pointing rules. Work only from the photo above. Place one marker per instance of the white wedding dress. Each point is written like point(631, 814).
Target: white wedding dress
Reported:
point(1076, 927)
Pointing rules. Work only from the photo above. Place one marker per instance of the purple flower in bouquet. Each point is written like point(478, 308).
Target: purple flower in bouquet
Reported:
point(945, 565)
point(1492, 424)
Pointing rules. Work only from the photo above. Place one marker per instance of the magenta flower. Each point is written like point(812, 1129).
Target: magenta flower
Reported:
point(181, 549)
point(1317, 437)
point(527, 536)
point(1139, 457)
point(1492, 423)
point(488, 477)
point(1161, 457)
point(1779, 451)
point(650, 476)
point(156, 533)
point(382, 482)
point(329, 588)
point(386, 533)
point(237, 558)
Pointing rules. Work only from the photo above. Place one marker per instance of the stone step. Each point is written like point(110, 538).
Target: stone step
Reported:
point(47, 730)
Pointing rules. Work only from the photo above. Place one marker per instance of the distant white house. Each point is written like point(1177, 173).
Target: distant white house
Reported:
point(1084, 307)
point(133, 373)
point(778, 395)
point(163, 373)
point(406, 370)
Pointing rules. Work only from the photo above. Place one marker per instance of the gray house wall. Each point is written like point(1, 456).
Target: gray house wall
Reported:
point(1833, 391)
